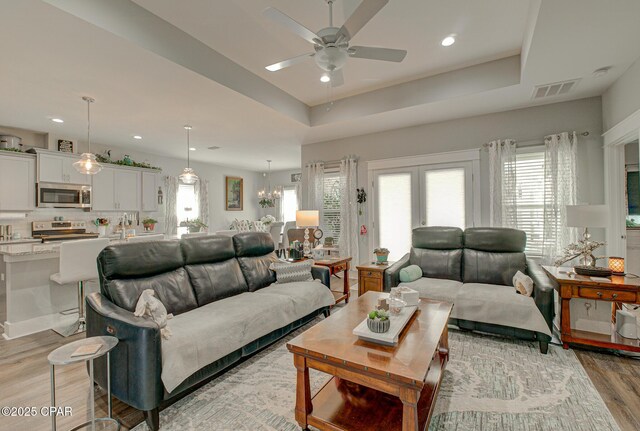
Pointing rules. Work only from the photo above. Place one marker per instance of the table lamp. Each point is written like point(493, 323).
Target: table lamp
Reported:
point(307, 219)
point(587, 216)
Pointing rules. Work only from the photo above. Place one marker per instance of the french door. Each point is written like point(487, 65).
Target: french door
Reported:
point(428, 195)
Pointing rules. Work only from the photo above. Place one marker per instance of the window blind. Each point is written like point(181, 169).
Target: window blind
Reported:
point(530, 199)
point(445, 197)
point(331, 222)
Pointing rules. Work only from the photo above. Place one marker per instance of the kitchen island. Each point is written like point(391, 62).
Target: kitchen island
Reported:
point(29, 301)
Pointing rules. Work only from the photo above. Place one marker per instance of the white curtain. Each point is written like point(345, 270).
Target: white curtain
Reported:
point(502, 183)
point(299, 195)
point(170, 214)
point(202, 197)
point(560, 191)
point(348, 242)
point(315, 187)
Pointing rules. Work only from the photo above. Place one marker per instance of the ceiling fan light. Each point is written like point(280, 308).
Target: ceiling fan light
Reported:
point(325, 78)
point(331, 58)
point(87, 164)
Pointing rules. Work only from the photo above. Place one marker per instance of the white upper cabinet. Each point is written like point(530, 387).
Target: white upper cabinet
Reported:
point(17, 183)
point(150, 191)
point(58, 168)
point(116, 189)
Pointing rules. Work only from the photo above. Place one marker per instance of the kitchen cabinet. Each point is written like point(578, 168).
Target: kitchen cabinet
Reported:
point(150, 184)
point(17, 182)
point(58, 168)
point(116, 189)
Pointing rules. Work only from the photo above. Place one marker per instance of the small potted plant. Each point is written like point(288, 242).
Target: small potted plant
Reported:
point(149, 224)
point(382, 255)
point(102, 224)
point(378, 321)
point(195, 225)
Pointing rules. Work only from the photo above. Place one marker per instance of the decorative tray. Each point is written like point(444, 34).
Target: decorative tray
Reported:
point(592, 271)
point(389, 338)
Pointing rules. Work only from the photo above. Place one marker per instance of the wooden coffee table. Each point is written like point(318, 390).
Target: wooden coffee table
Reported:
point(374, 386)
point(337, 265)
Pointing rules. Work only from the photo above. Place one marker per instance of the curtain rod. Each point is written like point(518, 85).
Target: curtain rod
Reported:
point(331, 163)
point(533, 141)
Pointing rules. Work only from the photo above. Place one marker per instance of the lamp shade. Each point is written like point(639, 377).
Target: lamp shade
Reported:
point(616, 265)
point(307, 218)
point(587, 215)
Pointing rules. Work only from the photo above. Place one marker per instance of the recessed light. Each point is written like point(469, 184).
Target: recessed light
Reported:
point(137, 137)
point(215, 147)
point(448, 41)
point(325, 78)
point(57, 120)
point(192, 149)
point(598, 73)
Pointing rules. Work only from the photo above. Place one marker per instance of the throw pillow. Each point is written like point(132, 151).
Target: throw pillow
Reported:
point(150, 306)
point(287, 272)
point(523, 284)
point(410, 273)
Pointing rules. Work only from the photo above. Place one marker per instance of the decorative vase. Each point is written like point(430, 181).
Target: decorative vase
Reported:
point(149, 227)
point(378, 326)
point(102, 230)
point(382, 257)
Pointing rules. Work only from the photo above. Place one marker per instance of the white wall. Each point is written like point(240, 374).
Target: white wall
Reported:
point(528, 124)
point(622, 98)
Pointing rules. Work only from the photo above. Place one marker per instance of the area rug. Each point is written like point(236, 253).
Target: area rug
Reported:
point(490, 384)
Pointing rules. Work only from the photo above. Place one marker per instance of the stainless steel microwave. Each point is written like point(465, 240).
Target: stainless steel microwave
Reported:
point(51, 195)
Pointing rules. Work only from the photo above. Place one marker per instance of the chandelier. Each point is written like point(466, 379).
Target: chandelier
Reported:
point(266, 196)
point(88, 164)
point(188, 175)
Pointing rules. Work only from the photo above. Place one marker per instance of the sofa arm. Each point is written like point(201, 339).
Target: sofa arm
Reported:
point(136, 362)
point(543, 288)
point(392, 274)
point(321, 273)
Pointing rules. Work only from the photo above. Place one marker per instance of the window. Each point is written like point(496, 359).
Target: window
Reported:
point(289, 204)
point(331, 205)
point(530, 198)
point(186, 205)
point(445, 197)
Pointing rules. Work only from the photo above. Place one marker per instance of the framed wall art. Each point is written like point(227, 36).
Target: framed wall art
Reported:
point(234, 194)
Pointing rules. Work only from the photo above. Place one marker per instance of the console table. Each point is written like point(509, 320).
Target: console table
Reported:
point(619, 289)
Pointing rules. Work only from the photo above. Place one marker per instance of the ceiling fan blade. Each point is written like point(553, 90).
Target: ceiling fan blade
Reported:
point(371, 53)
point(289, 62)
point(362, 15)
point(337, 78)
point(291, 24)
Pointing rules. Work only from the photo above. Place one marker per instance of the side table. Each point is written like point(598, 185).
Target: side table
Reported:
point(337, 265)
point(62, 356)
point(371, 278)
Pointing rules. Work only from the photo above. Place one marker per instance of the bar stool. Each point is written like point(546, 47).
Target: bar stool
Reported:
point(146, 238)
point(78, 265)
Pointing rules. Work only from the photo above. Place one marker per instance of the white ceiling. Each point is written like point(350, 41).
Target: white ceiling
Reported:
point(150, 78)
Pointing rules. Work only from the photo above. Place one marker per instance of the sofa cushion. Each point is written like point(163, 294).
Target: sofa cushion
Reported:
point(215, 281)
point(438, 263)
point(410, 273)
point(207, 249)
point(256, 270)
point(498, 305)
point(251, 244)
point(495, 239)
point(492, 267)
point(438, 289)
point(171, 288)
point(437, 237)
point(305, 296)
point(139, 259)
point(217, 329)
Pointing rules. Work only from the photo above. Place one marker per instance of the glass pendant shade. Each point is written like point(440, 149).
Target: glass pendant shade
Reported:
point(88, 164)
point(188, 175)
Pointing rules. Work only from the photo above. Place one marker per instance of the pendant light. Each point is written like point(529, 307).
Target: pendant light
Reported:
point(88, 164)
point(267, 195)
point(188, 175)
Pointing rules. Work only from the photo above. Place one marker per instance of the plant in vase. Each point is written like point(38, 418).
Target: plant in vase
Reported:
point(149, 224)
point(195, 225)
point(102, 224)
point(378, 321)
point(267, 203)
point(382, 255)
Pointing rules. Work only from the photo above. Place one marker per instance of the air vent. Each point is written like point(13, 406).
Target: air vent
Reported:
point(215, 147)
point(554, 89)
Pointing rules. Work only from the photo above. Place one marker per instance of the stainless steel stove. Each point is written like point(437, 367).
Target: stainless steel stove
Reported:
point(50, 231)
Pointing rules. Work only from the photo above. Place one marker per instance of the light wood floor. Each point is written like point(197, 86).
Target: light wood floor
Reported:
point(24, 381)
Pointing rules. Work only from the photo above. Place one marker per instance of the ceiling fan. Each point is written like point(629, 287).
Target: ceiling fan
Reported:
point(331, 44)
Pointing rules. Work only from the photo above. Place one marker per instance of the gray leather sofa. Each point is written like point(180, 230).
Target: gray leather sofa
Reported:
point(473, 269)
point(225, 305)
